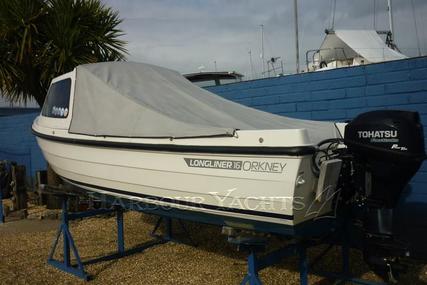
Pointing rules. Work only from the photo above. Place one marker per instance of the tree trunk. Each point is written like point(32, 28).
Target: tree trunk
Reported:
point(39, 98)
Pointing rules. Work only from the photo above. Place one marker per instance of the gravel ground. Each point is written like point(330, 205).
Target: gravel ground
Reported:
point(23, 255)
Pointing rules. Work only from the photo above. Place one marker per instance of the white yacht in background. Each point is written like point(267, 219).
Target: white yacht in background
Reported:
point(345, 48)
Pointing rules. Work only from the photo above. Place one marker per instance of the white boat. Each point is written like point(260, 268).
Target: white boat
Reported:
point(143, 132)
point(146, 134)
point(345, 48)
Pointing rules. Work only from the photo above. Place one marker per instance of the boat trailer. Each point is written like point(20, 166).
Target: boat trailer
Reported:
point(253, 245)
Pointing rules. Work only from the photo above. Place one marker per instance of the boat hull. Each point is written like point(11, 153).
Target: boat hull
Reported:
point(274, 189)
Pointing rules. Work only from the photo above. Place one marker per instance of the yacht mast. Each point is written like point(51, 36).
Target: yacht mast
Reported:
point(390, 18)
point(262, 50)
point(296, 34)
point(334, 7)
point(252, 65)
point(416, 28)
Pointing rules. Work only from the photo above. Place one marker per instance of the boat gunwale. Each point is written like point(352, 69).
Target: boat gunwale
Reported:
point(256, 150)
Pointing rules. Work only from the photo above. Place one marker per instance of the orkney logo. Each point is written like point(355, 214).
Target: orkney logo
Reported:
point(387, 136)
point(245, 165)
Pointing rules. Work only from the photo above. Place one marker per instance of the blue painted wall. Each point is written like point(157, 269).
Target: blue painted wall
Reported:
point(9, 111)
point(341, 95)
point(17, 143)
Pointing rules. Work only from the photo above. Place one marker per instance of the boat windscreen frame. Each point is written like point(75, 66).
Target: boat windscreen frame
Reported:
point(61, 123)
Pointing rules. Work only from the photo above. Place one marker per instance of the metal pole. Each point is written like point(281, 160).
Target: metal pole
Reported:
point(120, 231)
point(303, 265)
point(390, 18)
point(262, 50)
point(66, 241)
point(215, 65)
point(416, 28)
point(334, 5)
point(252, 65)
point(375, 15)
point(296, 35)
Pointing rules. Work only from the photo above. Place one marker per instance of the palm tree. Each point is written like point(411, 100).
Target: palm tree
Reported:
point(40, 39)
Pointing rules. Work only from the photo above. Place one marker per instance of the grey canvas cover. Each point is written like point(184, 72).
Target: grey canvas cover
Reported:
point(125, 99)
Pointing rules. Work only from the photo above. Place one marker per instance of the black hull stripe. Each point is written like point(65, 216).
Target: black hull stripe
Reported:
point(290, 151)
point(185, 203)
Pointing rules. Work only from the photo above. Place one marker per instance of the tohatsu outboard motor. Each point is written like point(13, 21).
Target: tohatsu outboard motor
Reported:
point(387, 149)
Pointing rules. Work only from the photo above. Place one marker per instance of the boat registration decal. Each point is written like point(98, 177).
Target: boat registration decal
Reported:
point(245, 165)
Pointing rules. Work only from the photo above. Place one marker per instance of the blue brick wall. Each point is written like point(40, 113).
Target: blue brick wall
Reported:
point(17, 143)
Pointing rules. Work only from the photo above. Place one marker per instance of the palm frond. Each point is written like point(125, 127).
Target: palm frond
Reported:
point(40, 39)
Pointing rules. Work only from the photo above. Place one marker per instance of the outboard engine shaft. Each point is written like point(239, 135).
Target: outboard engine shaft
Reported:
point(387, 149)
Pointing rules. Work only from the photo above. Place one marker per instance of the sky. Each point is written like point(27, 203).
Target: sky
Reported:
point(190, 35)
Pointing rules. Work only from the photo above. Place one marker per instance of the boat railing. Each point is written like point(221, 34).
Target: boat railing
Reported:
point(315, 60)
point(314, 52)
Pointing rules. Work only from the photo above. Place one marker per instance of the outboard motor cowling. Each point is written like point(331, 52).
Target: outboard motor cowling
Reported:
point(390, 145)
point(388, 134)
point(387, 149)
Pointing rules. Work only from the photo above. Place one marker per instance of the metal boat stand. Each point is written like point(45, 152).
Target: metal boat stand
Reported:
point(168, 235)
point(257, 262)
point(77, 268)
point(345, 276)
